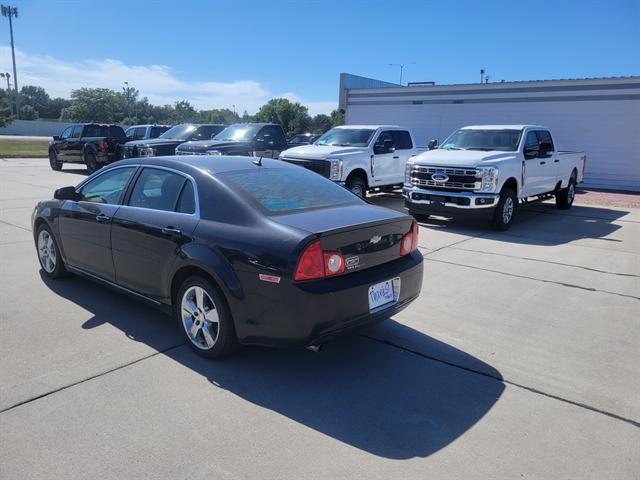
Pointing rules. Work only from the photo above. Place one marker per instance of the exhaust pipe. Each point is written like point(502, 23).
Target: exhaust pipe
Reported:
point(315, 348)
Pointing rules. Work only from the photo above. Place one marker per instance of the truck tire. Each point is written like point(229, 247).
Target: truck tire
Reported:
point(357, 186)
point(565, 197)
point(54, 162)
point(504, 212)
point(91, 161)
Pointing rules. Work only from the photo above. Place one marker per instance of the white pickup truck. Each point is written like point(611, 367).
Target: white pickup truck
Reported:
point(491, 169)
point(360, 157)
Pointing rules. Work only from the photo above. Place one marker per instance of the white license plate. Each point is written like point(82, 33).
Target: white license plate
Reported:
point(380, 294)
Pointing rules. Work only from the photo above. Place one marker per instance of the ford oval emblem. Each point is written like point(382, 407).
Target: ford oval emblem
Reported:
point(439, 177)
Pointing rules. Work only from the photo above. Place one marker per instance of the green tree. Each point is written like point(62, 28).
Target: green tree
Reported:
point(183, 112)
point(54, 108)
point(35, 97)
point(246, 117)
point(5, 109)
point(293, 117)
point(96, 105)
point(337, 117)
point(223, 115)
point(27, 112)
point(320, 123)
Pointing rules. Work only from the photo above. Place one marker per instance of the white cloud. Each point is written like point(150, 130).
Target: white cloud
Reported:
point(157, 82)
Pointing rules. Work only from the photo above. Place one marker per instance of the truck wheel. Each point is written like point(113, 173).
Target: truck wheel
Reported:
point(54, 162)
point(357, 186)
point(565, 197)
point(91, 161)
point(504, 212)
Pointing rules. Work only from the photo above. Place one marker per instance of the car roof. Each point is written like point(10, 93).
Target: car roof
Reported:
point(148, 125)
point(373, 127)
point(501, 127)
point(209, 164)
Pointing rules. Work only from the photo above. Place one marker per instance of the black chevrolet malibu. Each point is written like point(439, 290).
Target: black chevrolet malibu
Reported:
point(240, 250)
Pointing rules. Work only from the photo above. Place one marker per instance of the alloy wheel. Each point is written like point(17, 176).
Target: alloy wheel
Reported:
point(507, 210)
point(571, 194)
point(46, 251)
point(200, 318)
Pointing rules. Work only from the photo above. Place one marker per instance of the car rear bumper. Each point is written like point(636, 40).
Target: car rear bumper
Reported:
point(308, 313)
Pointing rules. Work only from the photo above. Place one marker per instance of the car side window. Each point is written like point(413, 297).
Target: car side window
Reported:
point(157, 189)
point(383, 137)
point(401, 140)
point(545, 137)
point(77, 131)
point(140, 133)
point(130, 133)
point(107, 187)
point(531, 144)
point(186, 201)
point(66, 133)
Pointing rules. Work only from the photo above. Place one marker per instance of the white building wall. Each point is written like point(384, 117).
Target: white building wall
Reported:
point(607, 129)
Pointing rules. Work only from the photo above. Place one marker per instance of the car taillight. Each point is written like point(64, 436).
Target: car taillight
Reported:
point(104, 146)
point(409, 241)
point(314, 263)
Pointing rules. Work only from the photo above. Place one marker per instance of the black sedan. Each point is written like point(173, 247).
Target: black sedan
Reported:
point(240, 250)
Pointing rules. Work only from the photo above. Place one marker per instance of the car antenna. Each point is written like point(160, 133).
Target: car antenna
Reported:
point(258, 162)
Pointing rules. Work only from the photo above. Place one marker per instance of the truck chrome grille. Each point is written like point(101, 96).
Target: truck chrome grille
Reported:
point(458, 178)
point(322, 167)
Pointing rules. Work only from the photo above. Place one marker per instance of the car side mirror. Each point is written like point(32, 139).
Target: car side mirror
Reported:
point(545, 149)
point(433, 144)
point(56, 138)
point(530, 153)
point(66, 193)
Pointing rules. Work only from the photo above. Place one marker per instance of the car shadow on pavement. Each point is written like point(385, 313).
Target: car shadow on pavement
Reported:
point(376, 397)
point(538, 223)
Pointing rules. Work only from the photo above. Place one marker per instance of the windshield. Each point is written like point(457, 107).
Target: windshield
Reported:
point(288, 190)
point(179, 132)
point(346, 137)
point(238, 133)
point(487, 140)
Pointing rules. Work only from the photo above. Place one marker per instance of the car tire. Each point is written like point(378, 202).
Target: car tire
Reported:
point(357, 186)
point(565, 197)
point(91, 161)
point(204, 318)
point(49, 253)
point(504, 212)
point(55, 164)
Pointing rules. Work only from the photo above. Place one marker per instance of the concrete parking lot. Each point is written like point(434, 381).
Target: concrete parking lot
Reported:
point(520, 359)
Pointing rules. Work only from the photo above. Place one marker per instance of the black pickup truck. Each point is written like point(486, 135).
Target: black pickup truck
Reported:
point(251, 139)
point(166, 143)
point(93, 144)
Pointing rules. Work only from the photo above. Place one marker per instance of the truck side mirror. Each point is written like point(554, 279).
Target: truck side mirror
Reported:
point(389, 147)
point(433, 144)
point(545, 149)
point(56, 138)
point(66, 193)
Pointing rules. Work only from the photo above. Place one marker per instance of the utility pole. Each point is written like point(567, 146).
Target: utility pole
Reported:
point(401, 65)
point(9, 11)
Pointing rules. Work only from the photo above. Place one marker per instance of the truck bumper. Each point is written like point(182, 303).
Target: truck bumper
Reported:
point(422, 200)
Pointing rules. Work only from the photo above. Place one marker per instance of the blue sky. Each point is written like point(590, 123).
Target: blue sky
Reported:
point(216, 54)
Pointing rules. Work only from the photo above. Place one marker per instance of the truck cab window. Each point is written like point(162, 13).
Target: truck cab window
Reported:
point(531, 144)
point(401, 140)
point(66, 133)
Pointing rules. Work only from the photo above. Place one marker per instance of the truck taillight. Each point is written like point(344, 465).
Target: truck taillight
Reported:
point(409, 241)
point(316, 263)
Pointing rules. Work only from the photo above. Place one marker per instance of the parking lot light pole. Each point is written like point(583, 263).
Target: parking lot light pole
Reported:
point(9, 11)
point(401, 65)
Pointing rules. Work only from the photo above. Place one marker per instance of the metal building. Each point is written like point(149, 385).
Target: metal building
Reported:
point(598, 115)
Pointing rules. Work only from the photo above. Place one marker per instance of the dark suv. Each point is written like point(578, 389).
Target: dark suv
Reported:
point(251, 139)
point(90, 143)
point(166, 143)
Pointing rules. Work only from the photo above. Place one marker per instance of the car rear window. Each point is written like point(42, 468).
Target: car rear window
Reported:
point(104, 131)
point(288, 190)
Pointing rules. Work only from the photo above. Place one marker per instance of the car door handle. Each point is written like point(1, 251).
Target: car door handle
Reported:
point(171, 231)
point(542, 163)
point(557, 160)
point(102, 218)
point(396, 157)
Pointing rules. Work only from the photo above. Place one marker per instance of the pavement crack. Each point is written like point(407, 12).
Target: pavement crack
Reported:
point(515, 275)
point(531, 259)
point(498, 378)
point(97, 375)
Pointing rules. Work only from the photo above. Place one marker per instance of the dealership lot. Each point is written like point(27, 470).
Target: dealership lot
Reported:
point(519, 359)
